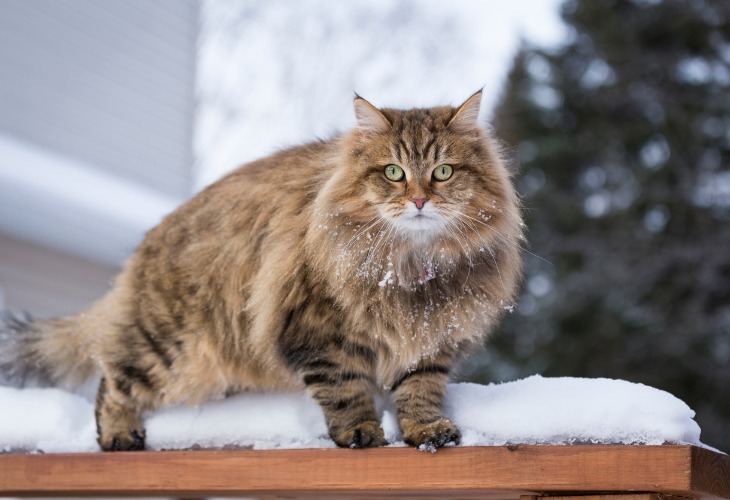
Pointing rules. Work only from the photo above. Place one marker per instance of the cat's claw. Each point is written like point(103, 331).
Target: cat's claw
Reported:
point(133, 441)
point(364, 435)
point(432, 435)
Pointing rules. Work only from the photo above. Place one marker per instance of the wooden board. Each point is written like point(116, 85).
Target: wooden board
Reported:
point(484, 472)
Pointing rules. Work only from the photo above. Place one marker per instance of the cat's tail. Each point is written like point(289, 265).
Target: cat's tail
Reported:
point(44, 353)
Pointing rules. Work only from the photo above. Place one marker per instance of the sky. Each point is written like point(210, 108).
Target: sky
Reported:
point(278, 73)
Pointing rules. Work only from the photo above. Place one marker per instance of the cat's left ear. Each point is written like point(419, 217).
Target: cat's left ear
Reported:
point(466, 117)
point(369, 118)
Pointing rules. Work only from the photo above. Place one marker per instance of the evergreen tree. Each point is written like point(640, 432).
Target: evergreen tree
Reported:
point(623, 137)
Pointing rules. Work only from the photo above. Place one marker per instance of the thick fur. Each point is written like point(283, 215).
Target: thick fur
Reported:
point(306, 269)
point(44, 353)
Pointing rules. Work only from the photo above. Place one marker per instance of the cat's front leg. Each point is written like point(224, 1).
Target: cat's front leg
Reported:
point(340, 375)
point(346, 397)
point(418, 396)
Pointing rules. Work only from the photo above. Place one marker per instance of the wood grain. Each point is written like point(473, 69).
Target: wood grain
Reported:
point(614, 496)
point(711, 472)
point(485, 472)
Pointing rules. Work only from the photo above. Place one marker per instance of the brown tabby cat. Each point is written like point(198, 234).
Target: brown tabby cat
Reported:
point(373, 260)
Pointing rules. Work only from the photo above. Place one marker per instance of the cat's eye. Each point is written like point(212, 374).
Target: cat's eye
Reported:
point(394, 173)
point(443, 172)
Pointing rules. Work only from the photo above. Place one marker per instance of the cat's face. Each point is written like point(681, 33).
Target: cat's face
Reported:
point(427, 172)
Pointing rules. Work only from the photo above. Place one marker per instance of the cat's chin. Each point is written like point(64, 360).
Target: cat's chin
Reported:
point(420, 227)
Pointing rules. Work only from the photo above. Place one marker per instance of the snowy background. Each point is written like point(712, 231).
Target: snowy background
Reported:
point(278, 73)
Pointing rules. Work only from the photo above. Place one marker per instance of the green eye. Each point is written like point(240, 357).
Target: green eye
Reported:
point(443, 172)
point(394, 173)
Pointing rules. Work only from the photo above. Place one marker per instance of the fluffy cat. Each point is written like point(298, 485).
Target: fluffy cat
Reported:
point(374, 260)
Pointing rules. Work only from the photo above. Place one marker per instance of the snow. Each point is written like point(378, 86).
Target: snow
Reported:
point(386, 279)
point(570, 410)
point(535, 410)
point(50, 420)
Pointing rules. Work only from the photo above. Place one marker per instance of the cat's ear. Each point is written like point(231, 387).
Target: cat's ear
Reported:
point(466, 117)
point(369, 118)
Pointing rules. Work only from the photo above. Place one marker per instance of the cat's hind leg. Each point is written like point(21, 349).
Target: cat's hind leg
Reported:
point(137, 369)
point(118, 419)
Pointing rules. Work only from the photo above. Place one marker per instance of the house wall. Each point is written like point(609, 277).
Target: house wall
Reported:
point(97, 100)
point(47, 283)
point(108, 83)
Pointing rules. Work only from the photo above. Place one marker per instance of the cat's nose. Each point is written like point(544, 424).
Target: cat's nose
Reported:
point(419, 202)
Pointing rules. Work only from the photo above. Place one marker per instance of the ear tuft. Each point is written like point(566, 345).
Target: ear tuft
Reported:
point(466, 117)
point(369, 118)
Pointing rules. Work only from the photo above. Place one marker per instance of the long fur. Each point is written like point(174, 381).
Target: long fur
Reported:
point(42, 353)
point(306, 269)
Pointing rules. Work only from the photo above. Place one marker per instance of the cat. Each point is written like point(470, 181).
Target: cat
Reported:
point(376, 260)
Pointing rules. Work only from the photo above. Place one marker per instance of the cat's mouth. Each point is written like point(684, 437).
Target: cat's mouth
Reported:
point(420, 222)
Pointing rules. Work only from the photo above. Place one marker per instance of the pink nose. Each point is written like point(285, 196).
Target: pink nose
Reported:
point(419, 202)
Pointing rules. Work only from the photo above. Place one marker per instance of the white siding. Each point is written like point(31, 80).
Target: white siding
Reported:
point(46, 283)
point(110, 83)
point(96, 115)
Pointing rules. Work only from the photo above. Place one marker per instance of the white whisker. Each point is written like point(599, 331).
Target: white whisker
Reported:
point(503, 237)
point(374, 247)
point(362, 230)
point(467, 254)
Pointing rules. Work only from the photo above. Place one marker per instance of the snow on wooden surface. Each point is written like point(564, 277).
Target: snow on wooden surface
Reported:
point(535, 410)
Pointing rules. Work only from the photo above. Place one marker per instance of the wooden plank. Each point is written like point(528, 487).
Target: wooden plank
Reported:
point(711, 473)
point(615, 496)
point(485, 472)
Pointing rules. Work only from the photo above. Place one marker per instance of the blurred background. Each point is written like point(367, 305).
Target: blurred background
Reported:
point(617, 113)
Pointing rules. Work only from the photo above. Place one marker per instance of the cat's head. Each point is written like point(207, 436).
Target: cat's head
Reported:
point(425, 172)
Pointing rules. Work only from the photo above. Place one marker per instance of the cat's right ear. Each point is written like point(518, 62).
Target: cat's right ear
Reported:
point(466, 117)
point(369, 118)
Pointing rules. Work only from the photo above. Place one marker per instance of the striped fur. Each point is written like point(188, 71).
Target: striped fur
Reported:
point(295, 271)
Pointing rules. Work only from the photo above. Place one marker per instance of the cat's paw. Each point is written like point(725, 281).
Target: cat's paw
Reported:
point(431, 435)
point(127, 441)
point(363, 435)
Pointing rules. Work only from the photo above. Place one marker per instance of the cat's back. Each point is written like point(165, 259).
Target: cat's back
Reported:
point(277, 187)
point(215, 243)
point(289, 177)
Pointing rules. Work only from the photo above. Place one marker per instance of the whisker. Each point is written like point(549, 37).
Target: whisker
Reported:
point(373, 248)
point(507, 240)
point(503, 237)
point(496, 266)
point(364, 228)
point(451, 224)
point(488, 248)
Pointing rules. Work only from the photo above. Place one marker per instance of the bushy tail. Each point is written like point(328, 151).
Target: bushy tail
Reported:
point(44, 352)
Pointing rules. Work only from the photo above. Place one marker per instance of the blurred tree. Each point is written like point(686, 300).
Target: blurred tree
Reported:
point(623, 136)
